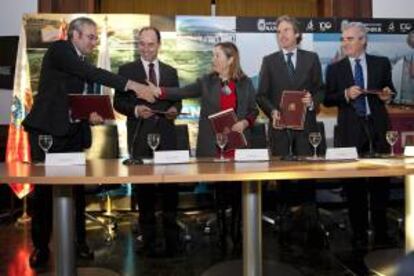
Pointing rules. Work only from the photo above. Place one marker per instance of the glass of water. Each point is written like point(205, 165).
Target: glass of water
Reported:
point(392, 137)
point(315, 139)
point(153, 140)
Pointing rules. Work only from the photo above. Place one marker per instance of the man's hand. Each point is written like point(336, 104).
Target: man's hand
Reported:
point(353, 92)
point(95, 119)
point(307, 99)
point(240, 126)
point(386, 94)
point(143, 111)
point(172, 113)
point(275, 117)
point(142, 91)
point(156, 91)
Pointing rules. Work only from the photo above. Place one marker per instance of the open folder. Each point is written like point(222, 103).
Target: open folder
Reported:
point(82, 105)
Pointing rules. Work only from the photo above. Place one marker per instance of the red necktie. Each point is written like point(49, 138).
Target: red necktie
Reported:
point(151, 74)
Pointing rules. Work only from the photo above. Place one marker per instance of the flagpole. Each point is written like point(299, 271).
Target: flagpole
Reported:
point(25, 218)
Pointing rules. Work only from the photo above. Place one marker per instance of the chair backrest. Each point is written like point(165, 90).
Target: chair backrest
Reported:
point(105, 143)
point(183, 142)
point(258, 136)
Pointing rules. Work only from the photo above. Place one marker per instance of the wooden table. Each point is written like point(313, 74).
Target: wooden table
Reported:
point(113, 171)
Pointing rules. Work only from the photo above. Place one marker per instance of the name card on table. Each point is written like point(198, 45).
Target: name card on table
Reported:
point(171, 157)
point(65, 159)
point(251, 155)
point(409, 151)
point(348, 153)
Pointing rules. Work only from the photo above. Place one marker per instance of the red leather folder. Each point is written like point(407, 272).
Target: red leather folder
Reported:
point(82, 105)
point(222, 122)
point(292, 110)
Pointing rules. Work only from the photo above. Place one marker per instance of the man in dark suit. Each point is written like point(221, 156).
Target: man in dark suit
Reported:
point(141, 121)
point(289, 69)
point(362, 123)
point(63, 71)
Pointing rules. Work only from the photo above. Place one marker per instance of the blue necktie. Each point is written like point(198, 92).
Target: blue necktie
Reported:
point(359, 103)
point(290, 67)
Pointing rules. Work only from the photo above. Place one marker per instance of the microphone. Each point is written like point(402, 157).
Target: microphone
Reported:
point(132, 160)
point(365, 126)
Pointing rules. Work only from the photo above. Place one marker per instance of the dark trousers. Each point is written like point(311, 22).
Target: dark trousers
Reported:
point(146, 196)
point(42, 215)
point(42, 196)
point(229, 195)
point(357, 191)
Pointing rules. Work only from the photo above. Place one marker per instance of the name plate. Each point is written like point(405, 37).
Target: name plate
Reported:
point(409, 151)
point(171, 157)
point(65, 159)
point(251, 155)
point(349, 153)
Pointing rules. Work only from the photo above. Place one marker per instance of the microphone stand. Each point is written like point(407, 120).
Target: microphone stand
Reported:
point(365, 126)
point(290, 156)
point(131, 160)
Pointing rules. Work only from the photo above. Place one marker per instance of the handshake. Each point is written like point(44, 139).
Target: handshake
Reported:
point(149, 93)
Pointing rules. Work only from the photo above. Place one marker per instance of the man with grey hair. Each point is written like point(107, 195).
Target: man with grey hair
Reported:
point(64, 71)
point(360, 85)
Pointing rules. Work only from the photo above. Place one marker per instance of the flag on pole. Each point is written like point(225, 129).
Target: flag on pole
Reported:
point(18, 148)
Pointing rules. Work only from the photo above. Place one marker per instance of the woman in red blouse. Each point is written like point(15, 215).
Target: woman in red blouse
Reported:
point(225, 87)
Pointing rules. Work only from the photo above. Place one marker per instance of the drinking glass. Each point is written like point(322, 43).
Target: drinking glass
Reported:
point(392, 137)
point(221, 139)
point(153, 140)
point(315, 139)
point(45, 142)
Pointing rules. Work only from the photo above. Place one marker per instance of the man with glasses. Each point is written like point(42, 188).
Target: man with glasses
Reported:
point(360, 85)
point(144, 118)
point(64, 71)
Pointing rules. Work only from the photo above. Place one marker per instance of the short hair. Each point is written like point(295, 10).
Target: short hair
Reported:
point(294, 22)
point(358, 25)
point(231, 51)
point(150, 28)
point(77, 25)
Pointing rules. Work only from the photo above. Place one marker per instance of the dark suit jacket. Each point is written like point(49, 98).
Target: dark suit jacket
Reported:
point(274, 79)
point(125, 104)
point(338, 78)
point(62, 73)
point(208, 88)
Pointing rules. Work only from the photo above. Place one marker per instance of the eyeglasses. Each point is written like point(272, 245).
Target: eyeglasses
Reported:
point(91, 37)
point(350, 38)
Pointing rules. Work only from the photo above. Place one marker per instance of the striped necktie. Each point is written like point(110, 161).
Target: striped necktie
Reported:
point(290, 67)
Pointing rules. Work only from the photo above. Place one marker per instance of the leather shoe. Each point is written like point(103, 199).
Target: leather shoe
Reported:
point(83, 252)
point(38, 258)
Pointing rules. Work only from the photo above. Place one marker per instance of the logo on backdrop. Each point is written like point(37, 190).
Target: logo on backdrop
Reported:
point(405, 27)
point(266, 26)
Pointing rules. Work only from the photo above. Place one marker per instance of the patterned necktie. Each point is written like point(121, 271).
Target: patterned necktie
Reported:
point(359, 103)
point(290, 67)
point(151, 74)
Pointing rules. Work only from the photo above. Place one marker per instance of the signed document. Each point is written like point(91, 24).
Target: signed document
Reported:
point(82, 105)
point(292, 110)
point(222, 122)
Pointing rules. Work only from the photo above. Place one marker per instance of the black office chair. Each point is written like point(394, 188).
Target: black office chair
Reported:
point(105, 145)
point(282, 215)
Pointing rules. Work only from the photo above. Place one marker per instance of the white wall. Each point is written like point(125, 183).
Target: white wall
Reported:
point(393, 8)
point(10, 23)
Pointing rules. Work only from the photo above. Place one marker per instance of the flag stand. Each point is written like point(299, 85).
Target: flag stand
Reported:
point(25, 218)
